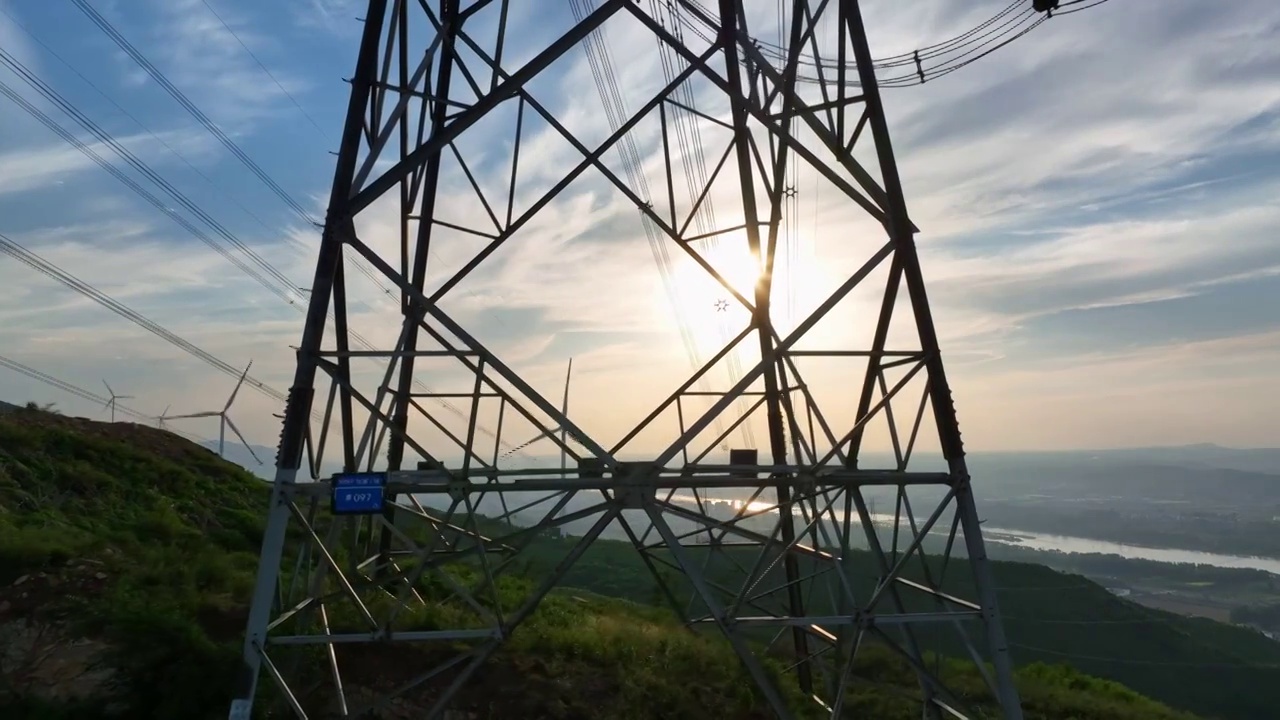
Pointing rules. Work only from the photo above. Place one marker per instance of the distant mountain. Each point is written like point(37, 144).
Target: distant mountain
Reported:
point(1204, 455)
point(1172, 483)
point(1261, 460)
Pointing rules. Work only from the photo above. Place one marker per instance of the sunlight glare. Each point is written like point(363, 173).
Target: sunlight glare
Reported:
point(700, 291)
point(710, 310)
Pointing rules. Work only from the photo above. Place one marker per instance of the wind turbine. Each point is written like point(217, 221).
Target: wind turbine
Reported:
point(564, 410)
point(225, 419)
point(163, 415)
point(565, 435)
point(111, 404)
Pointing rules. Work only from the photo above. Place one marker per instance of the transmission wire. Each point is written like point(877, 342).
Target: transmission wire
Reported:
point(106, 138)
point(16, 250)
point(141, 60)
point(254, 55)
point(83, 394)
point(160, 205)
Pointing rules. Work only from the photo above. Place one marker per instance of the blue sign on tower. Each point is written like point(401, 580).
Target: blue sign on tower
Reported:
point(359, 493)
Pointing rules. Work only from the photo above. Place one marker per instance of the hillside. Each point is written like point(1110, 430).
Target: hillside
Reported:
point(126, 554)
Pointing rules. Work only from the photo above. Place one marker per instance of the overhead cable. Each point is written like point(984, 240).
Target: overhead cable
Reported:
point(921, 65)
point(106, 138)
point(83, 394)
point(277, 283)
point(159, 77)
point(15, 250)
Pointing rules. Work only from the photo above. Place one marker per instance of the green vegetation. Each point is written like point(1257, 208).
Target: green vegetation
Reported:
point(170, 532)
point(1242, 595)
point(1052, 617)
point(145, 544)
point(1264, 616)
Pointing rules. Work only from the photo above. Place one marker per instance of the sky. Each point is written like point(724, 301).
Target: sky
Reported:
point(1098, 229)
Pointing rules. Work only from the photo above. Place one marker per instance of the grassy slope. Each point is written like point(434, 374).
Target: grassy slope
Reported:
point(1054, 617)
point(171, 533)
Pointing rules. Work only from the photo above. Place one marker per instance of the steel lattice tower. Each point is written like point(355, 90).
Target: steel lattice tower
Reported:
point(348, 560)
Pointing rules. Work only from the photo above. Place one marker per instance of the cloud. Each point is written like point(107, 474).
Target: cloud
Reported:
point(205, 60)
point(55, 165)
point(1087, 106)
point(1172, 393)
point(1099, 263)
point(1109, 174)
point(336, 17)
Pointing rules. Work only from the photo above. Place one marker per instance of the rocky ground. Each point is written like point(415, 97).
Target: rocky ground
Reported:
point(44, 649)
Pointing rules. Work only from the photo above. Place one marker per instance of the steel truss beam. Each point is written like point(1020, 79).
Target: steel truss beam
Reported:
point(443, 573)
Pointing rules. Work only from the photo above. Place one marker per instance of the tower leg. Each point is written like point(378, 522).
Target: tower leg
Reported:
point(899, 226)
point(298, 409)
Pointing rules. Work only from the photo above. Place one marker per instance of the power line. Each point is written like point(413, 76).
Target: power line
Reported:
point(68, 387)
point(908, 59)
point(996, 36)
point(163, 81)
point(145, 128)
point(83, 394)
point(155, 202)
point(600, 63)
point(356, 261)
point(120, 41)
point(253, 55)
point(940, 71)
point(1094, 4)
point(160, 78)
point(106, 138)
point(689, 146)
point(941, 47)
point(142, 192)
point(34, 261)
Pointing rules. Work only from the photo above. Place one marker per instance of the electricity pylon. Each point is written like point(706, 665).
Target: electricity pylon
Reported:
point(413, 554)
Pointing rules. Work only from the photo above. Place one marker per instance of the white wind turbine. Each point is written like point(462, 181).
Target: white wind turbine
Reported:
point(565, 435)
point(224, 418)
point(111, 404)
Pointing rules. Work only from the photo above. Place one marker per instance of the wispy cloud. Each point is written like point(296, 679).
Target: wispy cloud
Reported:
point(32, 168)
point(204, 59)
point(333, 16)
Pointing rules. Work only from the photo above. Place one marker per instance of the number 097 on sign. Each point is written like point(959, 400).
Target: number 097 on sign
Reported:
point(359, 493)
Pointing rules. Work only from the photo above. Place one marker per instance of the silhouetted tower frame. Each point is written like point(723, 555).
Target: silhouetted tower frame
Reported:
point(301, 578)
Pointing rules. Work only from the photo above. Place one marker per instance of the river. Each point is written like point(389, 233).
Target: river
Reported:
point(1012, 537)
point(1070, 544)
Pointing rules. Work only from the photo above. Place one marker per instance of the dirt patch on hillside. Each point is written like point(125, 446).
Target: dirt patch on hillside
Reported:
point(41, 654)
point(45, 595)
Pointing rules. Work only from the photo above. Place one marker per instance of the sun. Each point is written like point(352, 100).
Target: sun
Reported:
point(700, 292)
point(710, 312)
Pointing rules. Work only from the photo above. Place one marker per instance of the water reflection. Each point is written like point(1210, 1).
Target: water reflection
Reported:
point(1034, 540)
